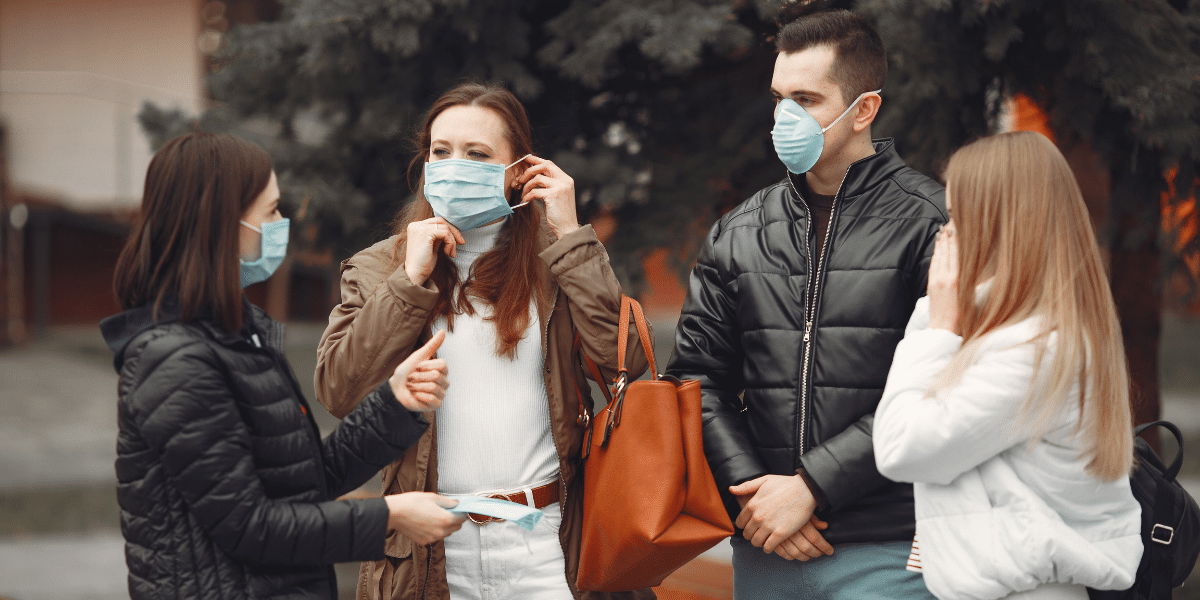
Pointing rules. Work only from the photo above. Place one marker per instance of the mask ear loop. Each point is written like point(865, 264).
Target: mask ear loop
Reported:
point(511, 166)
point(847, 111)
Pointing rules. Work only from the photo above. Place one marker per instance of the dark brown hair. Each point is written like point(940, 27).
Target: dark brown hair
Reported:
point(860, 64)
point(184, 243)
point(506, 277)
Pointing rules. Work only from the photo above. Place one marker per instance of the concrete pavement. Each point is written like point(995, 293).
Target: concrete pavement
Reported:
point(58, 432)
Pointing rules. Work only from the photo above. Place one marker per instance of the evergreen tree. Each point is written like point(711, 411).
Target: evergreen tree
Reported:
point(334, 90)
point(659, 109)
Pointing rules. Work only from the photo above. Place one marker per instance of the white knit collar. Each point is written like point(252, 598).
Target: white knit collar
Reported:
point(482, 239)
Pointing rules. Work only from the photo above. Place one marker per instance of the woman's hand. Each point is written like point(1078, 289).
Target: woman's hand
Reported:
point(424, 237)
point(943, 282)
point(422, 516)
point(420, 383)
point(545, 181)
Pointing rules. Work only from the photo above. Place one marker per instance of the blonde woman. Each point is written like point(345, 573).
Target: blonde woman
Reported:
point(1007, 404)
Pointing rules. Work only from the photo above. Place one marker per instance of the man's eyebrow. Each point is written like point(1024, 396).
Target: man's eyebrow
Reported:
point(803, 92)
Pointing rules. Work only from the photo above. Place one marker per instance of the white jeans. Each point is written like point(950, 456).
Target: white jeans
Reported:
point(501, 560)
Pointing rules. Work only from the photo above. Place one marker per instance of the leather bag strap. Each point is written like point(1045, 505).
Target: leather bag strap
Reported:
point(585, 415)
point(597, 376)
point(615, 397)
point(623, 335)
point(639, 320)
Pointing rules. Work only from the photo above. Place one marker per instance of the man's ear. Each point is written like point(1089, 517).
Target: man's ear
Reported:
point(868, 109)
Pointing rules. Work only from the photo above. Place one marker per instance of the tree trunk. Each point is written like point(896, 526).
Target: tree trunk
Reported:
point(1136, 267)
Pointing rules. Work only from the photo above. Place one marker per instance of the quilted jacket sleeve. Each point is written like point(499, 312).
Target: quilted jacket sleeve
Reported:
point(374, 434)
point(376, 326)
point(187, 415)
point(708, 348)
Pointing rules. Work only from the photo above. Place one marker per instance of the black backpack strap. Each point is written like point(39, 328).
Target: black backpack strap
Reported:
point(1162, 553)
point(1172, 469)
point(1163, 535)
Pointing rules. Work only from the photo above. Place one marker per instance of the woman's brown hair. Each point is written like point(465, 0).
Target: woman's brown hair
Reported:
point(1022, 226)
point(505, 277)
point(184, 245)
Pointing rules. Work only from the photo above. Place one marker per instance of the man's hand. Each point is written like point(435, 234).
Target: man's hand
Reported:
point(778, 509)
point(806, 543)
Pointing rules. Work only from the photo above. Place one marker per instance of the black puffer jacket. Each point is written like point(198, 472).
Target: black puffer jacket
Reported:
point(811, 372)
point(226, 489)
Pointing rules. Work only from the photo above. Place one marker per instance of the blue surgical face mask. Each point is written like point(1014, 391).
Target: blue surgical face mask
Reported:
point(525, 516)
point(798, 137)
point(274, 249)
point(467, 193)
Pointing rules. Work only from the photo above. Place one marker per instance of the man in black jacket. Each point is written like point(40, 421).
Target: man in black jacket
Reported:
point(793, 312)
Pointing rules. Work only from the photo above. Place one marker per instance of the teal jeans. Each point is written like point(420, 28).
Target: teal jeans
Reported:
point(853, 572)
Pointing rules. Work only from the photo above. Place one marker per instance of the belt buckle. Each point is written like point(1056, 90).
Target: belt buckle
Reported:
point(484, 519)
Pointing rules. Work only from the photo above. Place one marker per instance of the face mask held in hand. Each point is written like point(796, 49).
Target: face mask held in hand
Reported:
point(522, 515)
point(798, 137)
point(274, 249)
point(467, 193)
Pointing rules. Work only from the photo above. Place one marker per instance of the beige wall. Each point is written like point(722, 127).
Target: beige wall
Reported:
point(73, 76)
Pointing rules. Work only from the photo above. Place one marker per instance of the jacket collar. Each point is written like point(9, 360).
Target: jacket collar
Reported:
point(868, 172)
point(120, 329)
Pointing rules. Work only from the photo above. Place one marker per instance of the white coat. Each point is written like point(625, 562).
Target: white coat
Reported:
point(996, 512)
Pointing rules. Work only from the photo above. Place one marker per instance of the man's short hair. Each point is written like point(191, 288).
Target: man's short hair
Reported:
point(860, 64)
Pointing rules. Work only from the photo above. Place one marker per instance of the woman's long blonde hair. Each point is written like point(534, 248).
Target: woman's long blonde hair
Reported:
point(1021, 222)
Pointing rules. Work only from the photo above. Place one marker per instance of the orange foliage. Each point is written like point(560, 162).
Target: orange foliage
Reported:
point(664, 293)
point(1181, 219)
point(1028, 116)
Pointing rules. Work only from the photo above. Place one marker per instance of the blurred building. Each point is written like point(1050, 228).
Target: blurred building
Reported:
point(73, 76)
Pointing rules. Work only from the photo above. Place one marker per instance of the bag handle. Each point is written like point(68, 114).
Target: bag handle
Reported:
point(630, 305)
point(615, 398)
point(1173, 468)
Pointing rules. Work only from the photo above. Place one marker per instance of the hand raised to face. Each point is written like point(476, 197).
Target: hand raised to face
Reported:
point(943, 282)
point(545, 181)
point(425, 238)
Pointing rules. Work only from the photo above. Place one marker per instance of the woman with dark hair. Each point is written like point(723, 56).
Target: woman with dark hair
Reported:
point(489, 252)
point(225, 487)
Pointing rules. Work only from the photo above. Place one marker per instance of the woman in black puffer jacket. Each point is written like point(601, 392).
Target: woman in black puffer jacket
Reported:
point(226, 489)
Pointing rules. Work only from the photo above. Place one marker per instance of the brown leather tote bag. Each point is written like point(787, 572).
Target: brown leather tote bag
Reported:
point(650, 503)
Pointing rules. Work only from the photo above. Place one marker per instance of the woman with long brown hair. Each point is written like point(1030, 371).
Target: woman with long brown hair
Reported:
point(1007, 404)
point(225, 487)
point(489, 251)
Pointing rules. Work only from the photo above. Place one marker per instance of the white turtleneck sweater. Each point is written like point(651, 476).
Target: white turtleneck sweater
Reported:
point(493, 429)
